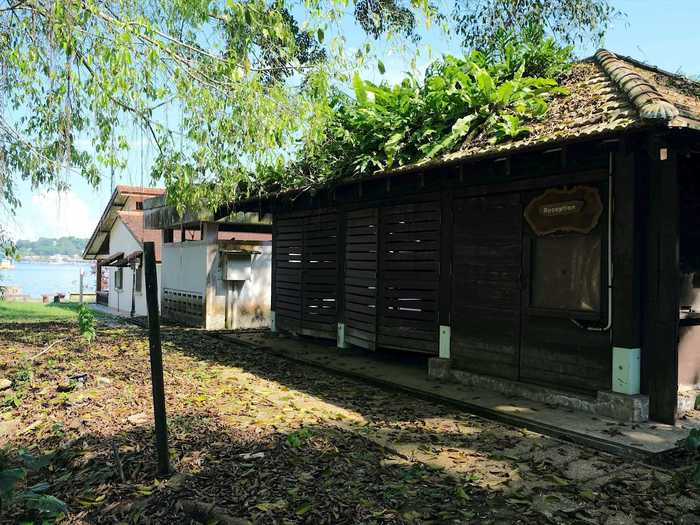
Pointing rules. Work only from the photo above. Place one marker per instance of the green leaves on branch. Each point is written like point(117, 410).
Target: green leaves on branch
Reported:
point(217, 93)
point(570, 21)
point(480, 99)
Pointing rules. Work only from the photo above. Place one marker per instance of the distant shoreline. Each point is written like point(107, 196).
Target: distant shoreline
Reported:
point(52, 259)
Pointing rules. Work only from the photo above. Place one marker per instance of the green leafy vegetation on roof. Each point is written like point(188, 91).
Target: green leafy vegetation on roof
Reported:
point(488, 96)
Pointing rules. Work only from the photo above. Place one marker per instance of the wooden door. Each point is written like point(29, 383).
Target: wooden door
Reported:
point(565, 294)
point(486, 284)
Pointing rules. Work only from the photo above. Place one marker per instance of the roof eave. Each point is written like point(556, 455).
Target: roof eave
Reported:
point(99, 228)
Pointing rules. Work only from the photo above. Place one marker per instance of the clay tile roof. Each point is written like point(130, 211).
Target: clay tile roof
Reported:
point(120, 196)
point(133, 220)
point(647, 100)
point(607, 94)
point(139, 190)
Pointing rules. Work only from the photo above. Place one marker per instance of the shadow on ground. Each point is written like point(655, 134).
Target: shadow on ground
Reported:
point(318, 475)
point(279, 442)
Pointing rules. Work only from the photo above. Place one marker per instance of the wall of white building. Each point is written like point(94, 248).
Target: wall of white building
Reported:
point(196, 292)
point(121, 240)
point(184, 265)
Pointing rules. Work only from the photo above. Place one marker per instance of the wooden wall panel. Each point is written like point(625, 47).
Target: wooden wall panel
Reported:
point(288, 244)
point(319, 275)
point(559, 354)
point(486, 284)
point(306, 263)
point(360, 280)
point(409, 276)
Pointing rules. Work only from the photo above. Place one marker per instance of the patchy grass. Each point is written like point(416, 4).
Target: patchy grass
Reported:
point(35, 312)
point(271, 441)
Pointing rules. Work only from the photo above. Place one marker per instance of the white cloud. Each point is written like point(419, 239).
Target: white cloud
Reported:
point(54, 214)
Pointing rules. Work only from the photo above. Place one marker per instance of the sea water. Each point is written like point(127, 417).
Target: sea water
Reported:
point(35, 278)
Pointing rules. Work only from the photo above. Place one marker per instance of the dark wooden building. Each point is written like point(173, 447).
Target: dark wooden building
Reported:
point(565, 260)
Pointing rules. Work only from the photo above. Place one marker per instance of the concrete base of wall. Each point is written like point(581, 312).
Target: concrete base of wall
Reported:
point(688, 399)
point(633, 408)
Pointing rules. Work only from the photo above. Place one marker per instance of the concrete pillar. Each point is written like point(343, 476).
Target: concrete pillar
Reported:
point(445, 334)
point(626, 371)
point(340, 339)
point(210, 234)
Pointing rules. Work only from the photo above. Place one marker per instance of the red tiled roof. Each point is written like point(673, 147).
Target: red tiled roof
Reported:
point(120, 196)
point(133, 220)
point(139, 190)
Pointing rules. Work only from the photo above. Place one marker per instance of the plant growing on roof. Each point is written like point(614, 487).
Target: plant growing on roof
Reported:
point(485, 97)
point(530, 47)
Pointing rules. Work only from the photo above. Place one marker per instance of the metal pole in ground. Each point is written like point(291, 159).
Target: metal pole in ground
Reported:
point(82, 276)
point(149, 261)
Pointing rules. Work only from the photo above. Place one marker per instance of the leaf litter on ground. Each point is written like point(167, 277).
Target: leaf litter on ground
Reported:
point(271, 441)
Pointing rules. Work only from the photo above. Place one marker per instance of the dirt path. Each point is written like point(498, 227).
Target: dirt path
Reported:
point(276, 442)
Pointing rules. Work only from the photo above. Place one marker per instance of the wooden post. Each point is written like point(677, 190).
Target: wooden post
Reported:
point(661, 301)
point(340, 282)
point(156, 358)
point(626, 252)
point(273, 278)
point(167, 236)
point(133, 289)
point(98, 275)
point(445, 295)
point(626, 258)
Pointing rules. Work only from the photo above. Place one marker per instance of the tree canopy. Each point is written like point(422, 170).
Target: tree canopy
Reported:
point(226, 91)
point(45, 247)
point(568, 21)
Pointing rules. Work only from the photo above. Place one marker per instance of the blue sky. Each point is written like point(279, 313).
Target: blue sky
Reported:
point(665, 33)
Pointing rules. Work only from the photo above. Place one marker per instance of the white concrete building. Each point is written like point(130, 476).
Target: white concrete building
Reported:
point(216, 274)
point(117, 245)
point(217, 284)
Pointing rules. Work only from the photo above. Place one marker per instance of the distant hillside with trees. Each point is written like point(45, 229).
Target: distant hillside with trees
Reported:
point(46, 247)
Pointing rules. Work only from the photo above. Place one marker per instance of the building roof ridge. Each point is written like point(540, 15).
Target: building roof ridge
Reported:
point(648, 101)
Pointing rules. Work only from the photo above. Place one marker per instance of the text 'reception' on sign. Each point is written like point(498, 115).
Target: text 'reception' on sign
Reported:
point(576, 209)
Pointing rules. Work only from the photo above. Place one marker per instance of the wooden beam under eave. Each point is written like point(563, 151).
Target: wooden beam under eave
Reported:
point(106, 261)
